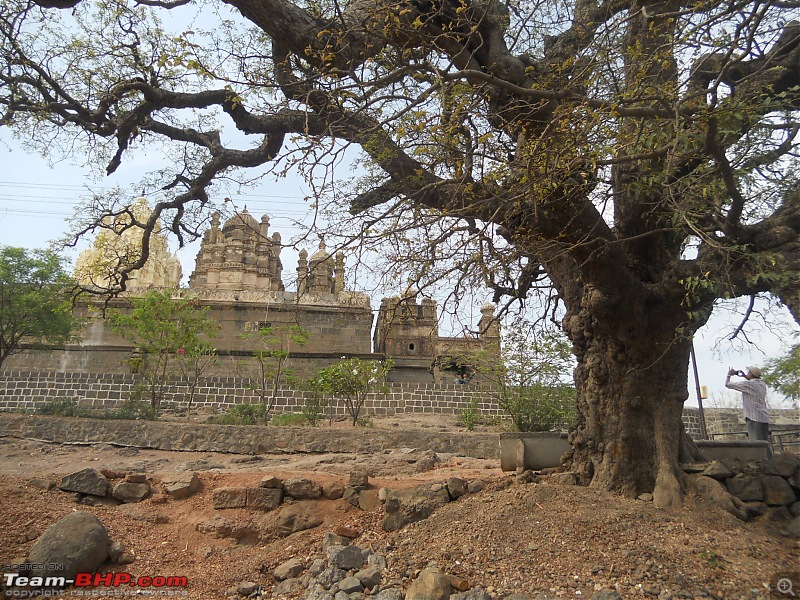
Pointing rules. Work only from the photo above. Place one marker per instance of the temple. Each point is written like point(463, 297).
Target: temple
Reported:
point(239, 274)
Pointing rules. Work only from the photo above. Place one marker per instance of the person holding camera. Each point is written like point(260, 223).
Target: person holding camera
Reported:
point(754, 402)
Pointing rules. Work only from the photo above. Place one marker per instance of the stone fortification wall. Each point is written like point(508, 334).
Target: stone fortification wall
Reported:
point(25, 390)
point(242, 439)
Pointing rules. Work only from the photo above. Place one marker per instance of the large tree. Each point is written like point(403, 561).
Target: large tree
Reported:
point(638, 157)
point(35, 300)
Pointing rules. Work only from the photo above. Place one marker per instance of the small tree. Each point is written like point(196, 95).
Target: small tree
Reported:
point(528, 383)
point(194, 363)
point(271, 348)
point(351, 380)
point(34, 300)
point(159, 326)
point(783, 374)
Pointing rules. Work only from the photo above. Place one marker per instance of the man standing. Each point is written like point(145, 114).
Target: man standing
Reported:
point(754, 401)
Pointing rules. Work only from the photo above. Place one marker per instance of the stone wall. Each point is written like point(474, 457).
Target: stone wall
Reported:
point(25, 390)
point(248, 439)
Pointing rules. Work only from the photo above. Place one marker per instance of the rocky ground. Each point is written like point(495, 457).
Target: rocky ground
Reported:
point(524, 535)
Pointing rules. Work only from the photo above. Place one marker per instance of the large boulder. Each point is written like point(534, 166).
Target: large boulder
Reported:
point(78, 542)
point(745, 488)
point(776, 491)
point(411, 505)
point(128, 492)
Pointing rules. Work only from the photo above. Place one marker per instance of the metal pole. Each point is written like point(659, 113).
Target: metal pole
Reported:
point(703, 429)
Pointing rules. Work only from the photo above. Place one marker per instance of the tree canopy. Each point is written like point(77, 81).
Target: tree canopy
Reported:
point(35, 300)
point(634, 160)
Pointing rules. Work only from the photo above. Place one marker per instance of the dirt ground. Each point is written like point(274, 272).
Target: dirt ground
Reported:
point(511, 537)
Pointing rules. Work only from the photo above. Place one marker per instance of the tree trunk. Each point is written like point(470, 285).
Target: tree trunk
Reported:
point(631, 383)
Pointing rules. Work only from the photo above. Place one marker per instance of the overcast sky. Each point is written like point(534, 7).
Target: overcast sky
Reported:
point(36, 199)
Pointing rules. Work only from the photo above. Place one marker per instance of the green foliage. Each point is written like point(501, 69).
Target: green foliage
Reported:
point(161, 327)
point(470, 416)
point(783, 374)
point(288, 420)
point(529, 383)
point(314, 407)
point(271, 348)
point(351, 380)
point(60, 408)
point(35, 305)
point(133, 409)
point(243, 414)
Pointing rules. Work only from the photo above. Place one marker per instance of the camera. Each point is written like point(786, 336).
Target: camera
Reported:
point(741, 373)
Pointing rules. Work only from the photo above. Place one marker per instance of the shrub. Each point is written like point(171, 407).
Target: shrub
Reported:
point(60, 408)
point(243, 414)
point(288, 419)
point(470, 416)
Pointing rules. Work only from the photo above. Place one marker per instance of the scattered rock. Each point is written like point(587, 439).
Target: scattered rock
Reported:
point(431, 584)
point(181, 485)
point(99, 501)
point(746, 488)
point(646, 497)
point(793, 529)
point(411, 505)
point(85, 481)
point(456, 487)
point(115, 551)
point(333, 490)
point(271, 482)
point(289, 569)
point(229, 497)
point(130, 492)
point(345, 557)
point(369, 501)
point(346, 532)
point(782, 464)
point(291, 519)
point(247, 588)
point(358, 480)
point(718, 470)
point(42, 484)
point(77, 542)
point(777, 492)
point(136, 478)
point(302, 489)
point(265, 499)
point(333, 539)
point(288, 587)
point(370, 577)
point(350, 585)
point(476, 593)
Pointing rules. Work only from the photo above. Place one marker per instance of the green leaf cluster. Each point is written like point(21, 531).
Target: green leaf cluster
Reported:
point(35, 300)
point(351, 380)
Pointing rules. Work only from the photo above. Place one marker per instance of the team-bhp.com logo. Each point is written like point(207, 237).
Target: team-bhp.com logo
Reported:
point(25, 586)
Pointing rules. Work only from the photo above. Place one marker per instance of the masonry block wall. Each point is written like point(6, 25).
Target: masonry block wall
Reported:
point(25, 390)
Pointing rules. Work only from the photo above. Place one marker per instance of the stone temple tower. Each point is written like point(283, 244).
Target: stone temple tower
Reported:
point(239, 256)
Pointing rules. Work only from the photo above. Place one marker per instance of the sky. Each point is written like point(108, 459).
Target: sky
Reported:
point(36, 199)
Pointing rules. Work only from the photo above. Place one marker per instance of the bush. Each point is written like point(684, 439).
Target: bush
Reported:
point(60, 408)
point(314, 408)
point(243, 414)
point(131, 410)
point(470, 416)
point(288, 419)
point(540, 407)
